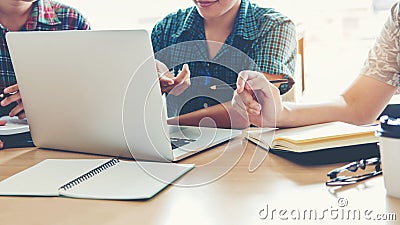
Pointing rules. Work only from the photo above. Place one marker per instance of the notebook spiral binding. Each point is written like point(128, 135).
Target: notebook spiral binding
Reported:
point(89, 174)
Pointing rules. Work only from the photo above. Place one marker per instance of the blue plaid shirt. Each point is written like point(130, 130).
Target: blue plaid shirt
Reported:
point(262, 40)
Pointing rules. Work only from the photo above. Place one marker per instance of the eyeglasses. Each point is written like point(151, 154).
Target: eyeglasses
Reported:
point(334, 180)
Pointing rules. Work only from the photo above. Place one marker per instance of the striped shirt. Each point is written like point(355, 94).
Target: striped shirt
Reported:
point(46, 16)
point(261, 39)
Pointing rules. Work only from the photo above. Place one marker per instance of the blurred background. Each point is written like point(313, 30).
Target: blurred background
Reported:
point(337, 34)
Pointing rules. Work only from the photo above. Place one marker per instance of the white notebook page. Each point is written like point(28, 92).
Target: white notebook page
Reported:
point(44, 178)
point(129, 180)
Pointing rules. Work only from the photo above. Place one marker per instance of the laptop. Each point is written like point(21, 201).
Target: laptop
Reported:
point(98, 92)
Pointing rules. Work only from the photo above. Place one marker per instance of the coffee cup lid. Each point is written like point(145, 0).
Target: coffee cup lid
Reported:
point(389, 127)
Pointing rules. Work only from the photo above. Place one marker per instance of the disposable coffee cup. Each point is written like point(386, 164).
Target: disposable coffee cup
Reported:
point(389, 145)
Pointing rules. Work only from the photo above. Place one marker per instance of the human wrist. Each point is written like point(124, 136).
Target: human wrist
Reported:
point(284, 117)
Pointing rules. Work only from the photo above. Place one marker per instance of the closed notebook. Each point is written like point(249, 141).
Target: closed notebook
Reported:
point(313, 137)
point(13, 126)
point(94, 179)
point(15, 133)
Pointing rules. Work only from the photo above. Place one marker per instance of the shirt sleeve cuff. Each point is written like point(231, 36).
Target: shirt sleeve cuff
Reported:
point(285, 87)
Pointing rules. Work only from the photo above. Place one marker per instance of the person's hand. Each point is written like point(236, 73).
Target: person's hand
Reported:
point(258, 98)
point(171, 84)
point(14, 97)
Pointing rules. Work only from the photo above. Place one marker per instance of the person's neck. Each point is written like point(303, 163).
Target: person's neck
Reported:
point(218, 29)
point(222, 23)
point(13, 15)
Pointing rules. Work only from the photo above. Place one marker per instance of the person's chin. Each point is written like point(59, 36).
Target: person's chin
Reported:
point(208, 15)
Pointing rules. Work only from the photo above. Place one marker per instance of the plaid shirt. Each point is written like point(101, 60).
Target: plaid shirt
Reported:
point(46, 16)
point(266, 40)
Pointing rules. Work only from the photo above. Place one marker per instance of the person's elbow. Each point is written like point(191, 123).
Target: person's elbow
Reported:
point(359, 117)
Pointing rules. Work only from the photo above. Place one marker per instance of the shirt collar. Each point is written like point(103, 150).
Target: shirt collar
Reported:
point(193, 23)
point(246, 23)
point(42, 12)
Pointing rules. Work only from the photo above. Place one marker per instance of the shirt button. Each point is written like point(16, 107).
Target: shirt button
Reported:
point(205, 105)
point(208, 64)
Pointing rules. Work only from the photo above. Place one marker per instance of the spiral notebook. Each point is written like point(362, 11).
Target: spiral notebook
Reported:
point(110, 179)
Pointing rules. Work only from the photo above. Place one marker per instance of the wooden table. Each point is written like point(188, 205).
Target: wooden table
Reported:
point(220, 190)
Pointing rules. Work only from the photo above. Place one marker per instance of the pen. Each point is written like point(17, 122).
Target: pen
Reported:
point(5, 95)
point(233, 85)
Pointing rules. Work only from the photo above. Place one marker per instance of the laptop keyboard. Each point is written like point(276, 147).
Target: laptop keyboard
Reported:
point(179, 142)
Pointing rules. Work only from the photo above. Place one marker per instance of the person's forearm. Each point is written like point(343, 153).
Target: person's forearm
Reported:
point(357, 105)
point(300, 114)
point(223, 116)
point(339, 109)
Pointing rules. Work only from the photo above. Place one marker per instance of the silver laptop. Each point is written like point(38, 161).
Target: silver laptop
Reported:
point(98, 92)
